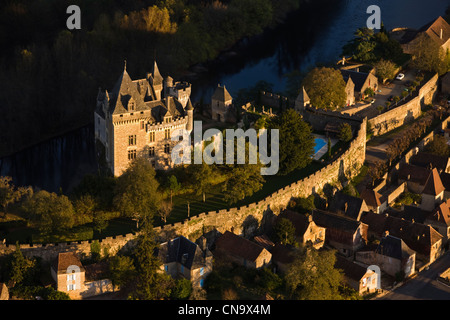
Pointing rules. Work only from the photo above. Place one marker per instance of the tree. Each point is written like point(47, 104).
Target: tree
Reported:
point(385, 70)
point(136, 192)
point(438, 146)
point(173, 185)
point(296, 146)
point(312, 276)
point(9, 193)
point(245, 180)
point(182, 289)
point(165, 210)
point(149, 283)
point(428, 55)
point(345, 132)
point(285, 232)
point(202, 178)
point(22, 270)
point(325, 88)
point(122, 271)
point(50, 212)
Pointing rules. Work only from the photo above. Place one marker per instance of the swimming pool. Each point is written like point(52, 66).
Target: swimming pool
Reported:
point(320, 143)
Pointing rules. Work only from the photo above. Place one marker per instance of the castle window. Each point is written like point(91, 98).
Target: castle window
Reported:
point(151, 151)
point(152, 136)
point(131, 105)
point(167, 119)
point(167, 133)
point(132, 140)
point(142, 125)
point(167, 148)
point(131, 154)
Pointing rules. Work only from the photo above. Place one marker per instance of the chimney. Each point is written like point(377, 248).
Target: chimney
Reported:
point(386, 233)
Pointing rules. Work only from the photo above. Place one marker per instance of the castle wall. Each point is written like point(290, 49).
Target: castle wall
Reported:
point(241, 220)
point(406, 112)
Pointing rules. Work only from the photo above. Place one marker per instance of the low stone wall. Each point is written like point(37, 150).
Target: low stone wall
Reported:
point(406, 112)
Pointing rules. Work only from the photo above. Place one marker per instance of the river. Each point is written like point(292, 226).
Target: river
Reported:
point(314, 34)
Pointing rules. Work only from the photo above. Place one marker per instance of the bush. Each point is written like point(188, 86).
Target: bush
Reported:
point(182, 290)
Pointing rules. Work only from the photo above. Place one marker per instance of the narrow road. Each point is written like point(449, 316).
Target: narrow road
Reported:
point(424, 286)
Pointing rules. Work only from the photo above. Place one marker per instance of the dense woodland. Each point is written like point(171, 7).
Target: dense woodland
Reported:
point(50, 75)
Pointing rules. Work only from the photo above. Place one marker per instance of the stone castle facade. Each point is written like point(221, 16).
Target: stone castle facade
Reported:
point(137, 119)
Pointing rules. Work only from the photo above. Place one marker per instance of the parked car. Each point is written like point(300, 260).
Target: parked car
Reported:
point(400, 76)
point(391, 98)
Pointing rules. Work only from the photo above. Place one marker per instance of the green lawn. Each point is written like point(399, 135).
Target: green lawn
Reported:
point(215, 198)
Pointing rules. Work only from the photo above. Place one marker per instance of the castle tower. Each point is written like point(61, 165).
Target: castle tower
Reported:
point(190, 113)
point(157, 81)
point(302, 101)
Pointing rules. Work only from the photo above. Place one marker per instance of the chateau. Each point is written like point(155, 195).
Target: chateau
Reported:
point(137, 117)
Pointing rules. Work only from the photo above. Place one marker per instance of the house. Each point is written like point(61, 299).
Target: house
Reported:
point(70, 277)
point(138, 118)
point(282, 257)
point(181, 257)
point(363, 280)
point(433, 191)
point(221, 104)
point(306, 230)
point(345, 234)
point(374, 201)
point(414, 176)
point(423, 239)
point(69, 274)
point(242, 251)
point(350, 206)
point(4, 294)
point(392, 256)
point(429, 160)
point(445, 179)
point(439, 219)
point(437, 30)
point(361, 80)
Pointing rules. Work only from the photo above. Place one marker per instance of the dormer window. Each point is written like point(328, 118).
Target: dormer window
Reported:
point(167, 119)
point(131, 104)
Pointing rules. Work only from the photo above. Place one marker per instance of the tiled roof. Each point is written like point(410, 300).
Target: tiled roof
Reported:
point(334, 221)
point(394, 247)
point(417, 236)
point(238, 246)
point(371, 197)
point(413, 173)
point(183, 251)
point(358, 78)
point(351, 270)
point(96, 271)
point(434, 185)
point(264, 241)
point(434, 30)
point(348, 205)
point(221, 94)
point(441, 213)
point(299, 221)
point(283, 254)
point(429, 160)
point(65, 260)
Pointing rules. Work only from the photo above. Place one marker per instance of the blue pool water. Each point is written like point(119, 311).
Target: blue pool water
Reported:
point(319, 144)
